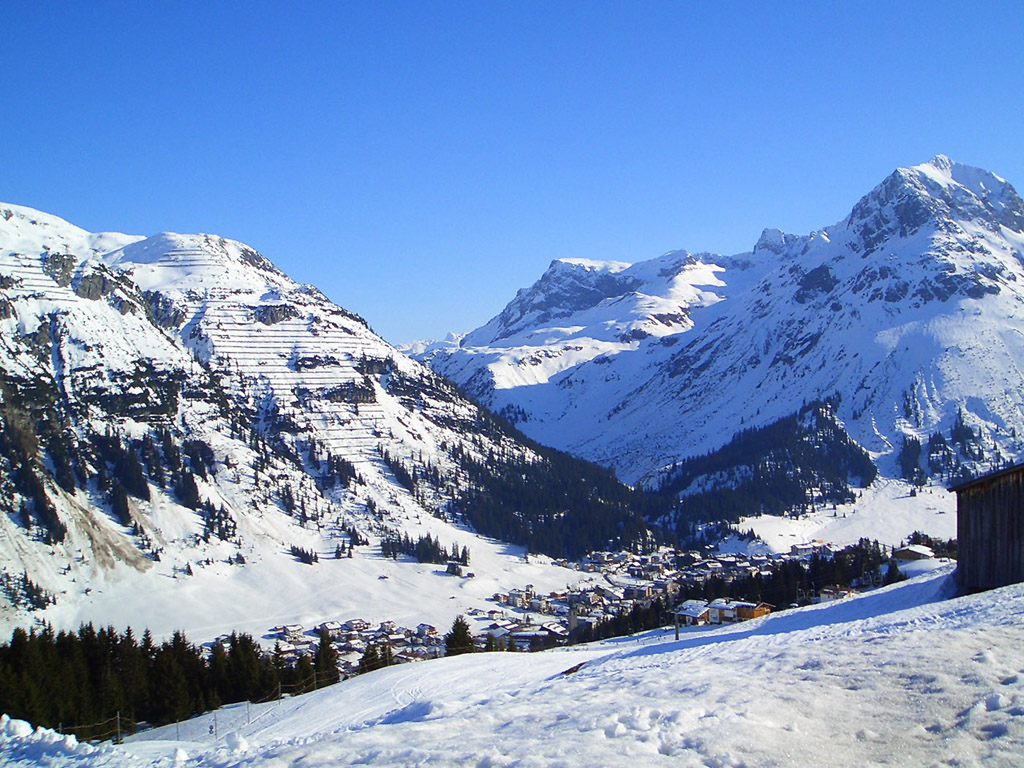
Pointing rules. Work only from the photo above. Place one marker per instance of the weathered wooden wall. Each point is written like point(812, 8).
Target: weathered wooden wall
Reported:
point(990, 532)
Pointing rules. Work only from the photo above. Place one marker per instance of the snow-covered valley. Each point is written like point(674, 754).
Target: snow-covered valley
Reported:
point(906, 675)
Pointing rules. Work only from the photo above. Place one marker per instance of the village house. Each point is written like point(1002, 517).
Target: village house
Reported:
point(746, 611)
point(426, 630)
point(721, 611)
point(665, 587)
point(292, 632)
point(584, 598)
point(540, 605)
point(693, 612)
point(609, 592)
point(832, 592)
point(639, 592)
point(332, 628)
point(913, 552)
point(807, 549)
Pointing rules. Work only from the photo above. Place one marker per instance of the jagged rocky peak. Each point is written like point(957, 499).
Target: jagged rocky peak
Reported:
point(915, 285)
point(934, 193)
point(577, 293)
point(568, 286)
point(774, 241)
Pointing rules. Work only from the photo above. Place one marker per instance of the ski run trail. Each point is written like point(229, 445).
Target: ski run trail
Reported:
point(904, 675)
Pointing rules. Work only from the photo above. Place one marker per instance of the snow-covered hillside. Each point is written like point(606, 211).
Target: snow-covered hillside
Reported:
point(182, 424)
point(907, 315)
point(906, 675)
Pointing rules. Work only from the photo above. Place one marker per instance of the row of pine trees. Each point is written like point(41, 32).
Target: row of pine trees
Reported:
point(80, 682)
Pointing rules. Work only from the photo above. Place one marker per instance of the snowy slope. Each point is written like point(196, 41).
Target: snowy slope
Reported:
point(903, 676)
point(906, 313)
point(265, 391)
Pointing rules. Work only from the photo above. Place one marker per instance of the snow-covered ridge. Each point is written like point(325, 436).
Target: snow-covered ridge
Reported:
point(28, 230)
point(907, 312)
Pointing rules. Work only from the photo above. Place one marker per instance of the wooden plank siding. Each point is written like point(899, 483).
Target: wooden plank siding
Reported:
point(990, 530)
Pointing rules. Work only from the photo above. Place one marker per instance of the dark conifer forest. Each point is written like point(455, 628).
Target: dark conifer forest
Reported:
point(94, 682)
point(795, 464)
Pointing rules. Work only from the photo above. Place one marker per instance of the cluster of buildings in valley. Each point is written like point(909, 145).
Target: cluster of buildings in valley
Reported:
point(351, 639)
point(612, 583)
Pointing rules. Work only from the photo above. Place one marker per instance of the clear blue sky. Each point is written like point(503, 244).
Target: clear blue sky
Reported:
point(420, 162)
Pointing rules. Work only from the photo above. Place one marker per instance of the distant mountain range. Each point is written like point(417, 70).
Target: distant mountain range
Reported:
point(905, 320)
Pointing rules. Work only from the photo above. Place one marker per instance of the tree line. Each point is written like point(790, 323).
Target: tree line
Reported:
point(76, 681)
point(425, 549)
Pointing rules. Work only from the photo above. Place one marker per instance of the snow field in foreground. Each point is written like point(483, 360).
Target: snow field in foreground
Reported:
point(902, 676)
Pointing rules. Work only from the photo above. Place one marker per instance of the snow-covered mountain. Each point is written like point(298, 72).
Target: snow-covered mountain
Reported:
point(903, 675)
point(182, 425)
point(906, 317)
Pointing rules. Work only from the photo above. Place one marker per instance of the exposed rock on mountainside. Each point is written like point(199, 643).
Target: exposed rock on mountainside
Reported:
point(173, 402)
point(906, 316)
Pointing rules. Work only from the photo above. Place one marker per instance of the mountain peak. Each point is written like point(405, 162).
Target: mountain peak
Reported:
point(936, 194)
point(195, 262)
point(774, 241)
point(29, 231)
point(871, 308)
point(941, 163)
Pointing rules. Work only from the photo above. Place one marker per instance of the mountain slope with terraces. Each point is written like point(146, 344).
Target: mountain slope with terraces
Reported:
point(191, 439)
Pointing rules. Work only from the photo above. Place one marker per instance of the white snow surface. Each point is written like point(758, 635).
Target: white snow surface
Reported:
point(910, 310)
point(907, 675)
point(886, 512)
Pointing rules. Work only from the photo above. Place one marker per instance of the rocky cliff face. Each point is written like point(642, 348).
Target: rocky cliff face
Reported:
point(906, 316)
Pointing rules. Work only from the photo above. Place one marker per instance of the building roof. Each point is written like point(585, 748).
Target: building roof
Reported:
point(694, 611)
point(985, 479)
point(917, 549)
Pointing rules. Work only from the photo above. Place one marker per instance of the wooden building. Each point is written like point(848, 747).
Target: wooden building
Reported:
point(990, 530)
point(748, 611)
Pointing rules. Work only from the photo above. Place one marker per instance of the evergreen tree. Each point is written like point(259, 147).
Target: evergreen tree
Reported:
point(119, 504)
point(458, 640)
point(326, 661)
point(168, 690)
point(220, 675)
point(370, 660)
point(892, 573)
point(304, 675)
